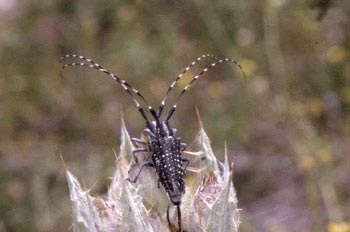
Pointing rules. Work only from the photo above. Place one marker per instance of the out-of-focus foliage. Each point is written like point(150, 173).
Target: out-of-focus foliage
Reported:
point(287, 124)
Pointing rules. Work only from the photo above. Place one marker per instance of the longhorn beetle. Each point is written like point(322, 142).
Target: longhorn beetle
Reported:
point(162, 144)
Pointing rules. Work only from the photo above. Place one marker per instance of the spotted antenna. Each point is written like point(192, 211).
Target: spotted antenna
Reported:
point(128, 88)
point(161, 107)
point(196, 77)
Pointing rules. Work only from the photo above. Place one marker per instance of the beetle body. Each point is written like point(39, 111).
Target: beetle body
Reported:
point(165, 149)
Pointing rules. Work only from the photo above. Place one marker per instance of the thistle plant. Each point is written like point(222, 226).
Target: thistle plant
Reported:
point(209, 203)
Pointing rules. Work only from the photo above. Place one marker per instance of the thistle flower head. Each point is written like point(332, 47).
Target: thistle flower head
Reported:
point(209, 203)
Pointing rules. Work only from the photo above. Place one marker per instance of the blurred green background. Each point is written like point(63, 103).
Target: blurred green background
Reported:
point(287, 125)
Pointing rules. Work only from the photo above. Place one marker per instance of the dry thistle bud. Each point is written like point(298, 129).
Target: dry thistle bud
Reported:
point(209, 204)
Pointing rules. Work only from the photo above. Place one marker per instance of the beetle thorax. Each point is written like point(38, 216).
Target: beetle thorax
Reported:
point(160, 128)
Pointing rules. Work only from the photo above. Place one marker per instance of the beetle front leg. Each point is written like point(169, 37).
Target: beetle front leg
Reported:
point(148, 164)
point(150, 133)
point(138, 150)
point(141, 147)
point(138, 141)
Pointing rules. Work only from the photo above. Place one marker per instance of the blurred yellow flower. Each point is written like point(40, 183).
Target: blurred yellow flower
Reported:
point(324, 155)
point(127, 14)
point(185, 79)
point(306, 162)
point(315, 106)
point(298, 109)
point(249, 66)
point(339, 227)
point(336, 54)
point(345, 94)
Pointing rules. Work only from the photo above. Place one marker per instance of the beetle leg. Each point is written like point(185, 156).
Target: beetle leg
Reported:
point(138, 141)
point(150, 133)
point(197, 153)
point(179, 219)
point(148, 164)
point(138, 150)
point(184, 159)
point(183, 146)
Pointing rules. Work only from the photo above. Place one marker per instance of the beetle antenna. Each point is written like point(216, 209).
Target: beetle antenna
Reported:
point(128, 88)
point(162, 104)
point(196, 77)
